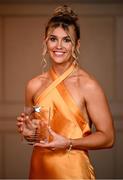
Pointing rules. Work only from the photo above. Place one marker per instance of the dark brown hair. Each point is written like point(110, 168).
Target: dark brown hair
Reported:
point(64, 16)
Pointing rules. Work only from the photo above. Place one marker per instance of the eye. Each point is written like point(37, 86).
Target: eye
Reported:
point(53, 39)
point(67, 39)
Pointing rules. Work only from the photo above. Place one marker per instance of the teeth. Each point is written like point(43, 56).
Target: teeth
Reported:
point(59, 53)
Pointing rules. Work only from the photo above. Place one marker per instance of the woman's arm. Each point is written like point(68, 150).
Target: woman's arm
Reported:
point(29, 93)
point(99, 112)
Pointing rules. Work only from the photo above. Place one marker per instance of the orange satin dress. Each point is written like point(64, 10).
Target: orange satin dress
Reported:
point(65, 119)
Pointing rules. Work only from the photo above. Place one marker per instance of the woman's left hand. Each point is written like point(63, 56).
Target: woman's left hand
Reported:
point(58, 142)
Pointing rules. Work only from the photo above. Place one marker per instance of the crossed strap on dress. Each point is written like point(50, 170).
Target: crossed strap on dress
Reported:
point(71, 104)
point(57, 81)
point(62, 77)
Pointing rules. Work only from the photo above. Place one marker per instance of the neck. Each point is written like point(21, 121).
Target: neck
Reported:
point(62, 67)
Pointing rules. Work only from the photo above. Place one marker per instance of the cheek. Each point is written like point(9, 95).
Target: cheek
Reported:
point(69, 48)
point(50, 46)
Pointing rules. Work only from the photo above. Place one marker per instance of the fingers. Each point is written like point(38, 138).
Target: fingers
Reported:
point(19, 125)
point(22, 114)
point(32, 138)
point(44, 144)
point(20, 129)
point(51, 131)
point(21, 119)
point(20, 122)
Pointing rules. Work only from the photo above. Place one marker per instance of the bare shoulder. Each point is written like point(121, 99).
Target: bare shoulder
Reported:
point(89, 85)
point(36, 83)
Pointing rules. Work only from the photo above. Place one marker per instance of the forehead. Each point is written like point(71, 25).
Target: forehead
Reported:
point(60, 31)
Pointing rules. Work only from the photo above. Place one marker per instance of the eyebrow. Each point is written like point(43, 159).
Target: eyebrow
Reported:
point(56, 36)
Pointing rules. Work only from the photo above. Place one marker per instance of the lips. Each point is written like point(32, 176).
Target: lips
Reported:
point(59, 53)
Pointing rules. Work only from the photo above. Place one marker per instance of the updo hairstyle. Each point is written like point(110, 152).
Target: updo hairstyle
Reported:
point(64, 17)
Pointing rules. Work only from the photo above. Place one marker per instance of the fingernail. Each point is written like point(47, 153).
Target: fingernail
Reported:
point(42, 142)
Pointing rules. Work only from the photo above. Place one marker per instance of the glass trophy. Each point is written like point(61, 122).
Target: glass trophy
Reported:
point(35, 127)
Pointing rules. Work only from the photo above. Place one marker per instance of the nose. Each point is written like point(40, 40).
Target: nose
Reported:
point(59, 44)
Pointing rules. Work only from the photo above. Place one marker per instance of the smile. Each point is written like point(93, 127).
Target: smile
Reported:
point(58, 53)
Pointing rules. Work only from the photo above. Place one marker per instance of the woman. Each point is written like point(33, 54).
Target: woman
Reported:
point(76, 101)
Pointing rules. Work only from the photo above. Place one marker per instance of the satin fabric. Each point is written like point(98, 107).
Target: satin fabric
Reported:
point(67, 120)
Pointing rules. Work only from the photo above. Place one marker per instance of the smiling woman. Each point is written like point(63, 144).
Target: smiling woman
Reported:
point(75, 100)
point(60, 46)
point(67, 38)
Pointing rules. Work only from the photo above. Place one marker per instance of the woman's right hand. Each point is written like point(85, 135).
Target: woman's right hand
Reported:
point(27, 126)
point(24, 124)
point(20, 122)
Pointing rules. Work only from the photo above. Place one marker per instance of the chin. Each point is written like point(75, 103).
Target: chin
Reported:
point(58, 60)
